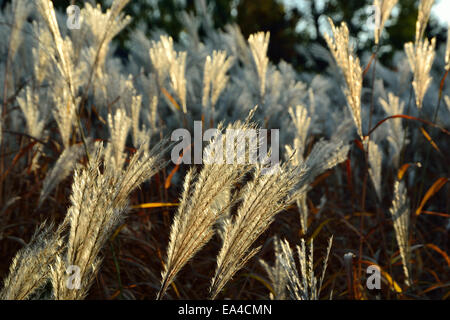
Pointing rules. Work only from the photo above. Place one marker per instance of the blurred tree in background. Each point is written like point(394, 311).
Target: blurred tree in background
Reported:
point(293, 24)
point(306, 22)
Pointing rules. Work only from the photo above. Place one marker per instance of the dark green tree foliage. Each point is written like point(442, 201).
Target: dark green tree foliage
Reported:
point(282, 22)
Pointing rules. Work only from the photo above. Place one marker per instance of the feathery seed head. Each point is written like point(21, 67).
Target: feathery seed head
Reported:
point(264, 197)
point(30, 268)
point(259, 43)
point(162, 54)
point(400, 215)
point(303, 285)
point(420, 57)
point(384, 8)
point(167, 61)
point(302, 122)
point(350, 67)
point(375, 162)
point(99, 202)
point(214, 76)
point(202, 204)
point(422, 18)
point(119, 126)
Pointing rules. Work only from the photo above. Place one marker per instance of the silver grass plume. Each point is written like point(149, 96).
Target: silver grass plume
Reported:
point(64, 114)
point(351, 68)
point(400, 216)
point(40, 56)
point(324, 155)
point(420, 57)
point(152, 114)
point(302, 122)
point(64, 63)
point(99, 202)
point(198, 211)
point(287, 261)
point(303, 211)
point(259, 43)
point(29, 104)
point(264, 196)
point(384, 8)
point(375, 165)
point(303, 285)
point(21, 10)
point(215, 78)
point(162, 54)
point(311, 283)
point(277, 274)
point(104, 27)
point(34, 121)
point(167, 61)
point(422, 18)
point(30, 268)
point(119, 126)
point(396, 134)
point(178, 78)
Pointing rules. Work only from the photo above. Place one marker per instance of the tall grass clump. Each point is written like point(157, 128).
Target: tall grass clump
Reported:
point(91, 207)
point(285, 277)
point(201, 204)
point(99, 202)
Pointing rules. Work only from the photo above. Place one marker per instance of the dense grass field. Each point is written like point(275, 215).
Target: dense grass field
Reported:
point(120, 178)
